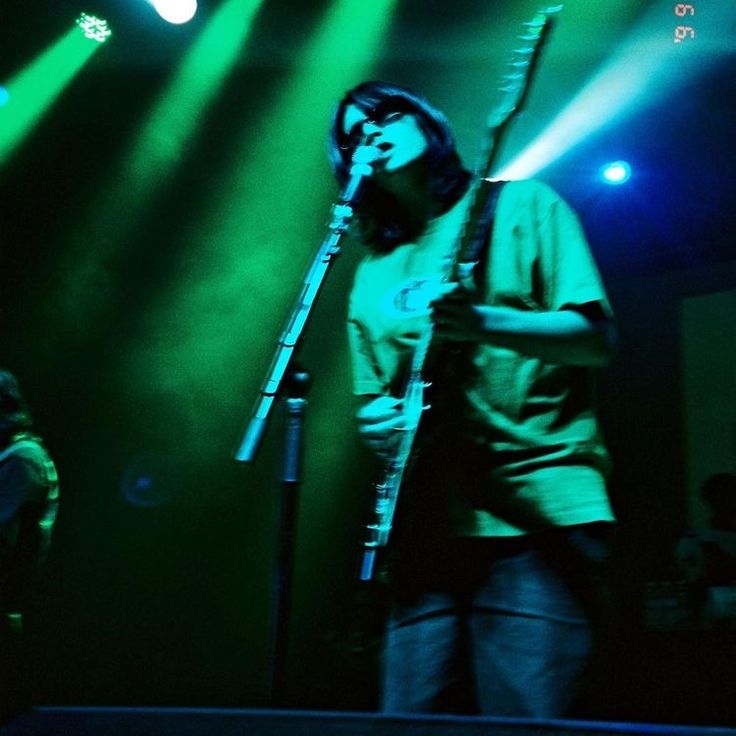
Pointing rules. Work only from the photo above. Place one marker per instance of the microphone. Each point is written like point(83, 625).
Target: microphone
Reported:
point(361, 168)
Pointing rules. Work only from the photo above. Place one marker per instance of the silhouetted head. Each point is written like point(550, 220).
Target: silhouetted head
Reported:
point(14, 414)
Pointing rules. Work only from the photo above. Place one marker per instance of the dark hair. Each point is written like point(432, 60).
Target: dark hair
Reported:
point(14, 414)
point(383, 223)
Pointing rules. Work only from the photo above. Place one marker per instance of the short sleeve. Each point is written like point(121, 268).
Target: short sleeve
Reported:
point(366, 377)
point(570, 276)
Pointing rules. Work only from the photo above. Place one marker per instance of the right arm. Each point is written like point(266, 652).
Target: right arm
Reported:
point(380, 418)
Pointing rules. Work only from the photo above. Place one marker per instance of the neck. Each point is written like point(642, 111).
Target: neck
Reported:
point(410, 186)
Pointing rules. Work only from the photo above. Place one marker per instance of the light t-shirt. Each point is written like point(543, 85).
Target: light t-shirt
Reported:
point(526, 453)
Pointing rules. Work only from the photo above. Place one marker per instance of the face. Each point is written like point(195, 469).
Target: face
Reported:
point(396, 134)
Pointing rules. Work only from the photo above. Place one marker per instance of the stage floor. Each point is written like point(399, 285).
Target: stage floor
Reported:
point(81, 721)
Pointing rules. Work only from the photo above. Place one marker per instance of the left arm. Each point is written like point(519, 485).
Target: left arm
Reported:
point(576, 335)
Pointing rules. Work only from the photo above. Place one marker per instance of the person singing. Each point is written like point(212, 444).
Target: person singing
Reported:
point(500, 533)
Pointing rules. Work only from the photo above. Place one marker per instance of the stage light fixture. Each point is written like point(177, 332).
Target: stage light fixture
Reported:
point(94, 28)
point(175, 11)
point(616, 172)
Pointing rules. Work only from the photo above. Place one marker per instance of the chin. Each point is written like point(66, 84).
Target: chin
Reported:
point(395, 164)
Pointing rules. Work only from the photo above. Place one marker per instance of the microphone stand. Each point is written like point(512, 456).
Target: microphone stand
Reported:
point(281, 374)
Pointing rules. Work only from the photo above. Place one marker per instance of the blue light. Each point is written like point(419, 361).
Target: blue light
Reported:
point(4, 96)
point(617, 172)
point(151, 480)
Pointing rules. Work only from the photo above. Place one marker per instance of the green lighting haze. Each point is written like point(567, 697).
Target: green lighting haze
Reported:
point(150, 161)
point(33, 90)
point(178, 114)
point(253, 242)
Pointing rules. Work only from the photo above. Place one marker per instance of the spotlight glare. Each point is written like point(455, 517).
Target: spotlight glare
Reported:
point(4, 96)
point(96, 29)
point(175, 11)
point(617, 172)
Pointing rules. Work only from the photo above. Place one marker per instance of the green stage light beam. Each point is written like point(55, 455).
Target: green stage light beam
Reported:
point(33, 90)
point(254, 241)
point(647, 68)
point(150, 160)
point(177, 116)
point(284, 152)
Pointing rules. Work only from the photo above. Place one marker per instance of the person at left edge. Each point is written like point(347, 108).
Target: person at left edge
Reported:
point(29, 493)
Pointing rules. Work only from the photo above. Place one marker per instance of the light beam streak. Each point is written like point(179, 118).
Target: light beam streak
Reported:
point(646, 69)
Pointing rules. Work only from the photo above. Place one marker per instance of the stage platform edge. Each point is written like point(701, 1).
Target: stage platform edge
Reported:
point(101, 721)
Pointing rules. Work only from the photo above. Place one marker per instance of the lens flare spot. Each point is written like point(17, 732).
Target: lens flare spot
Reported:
point(616, 172)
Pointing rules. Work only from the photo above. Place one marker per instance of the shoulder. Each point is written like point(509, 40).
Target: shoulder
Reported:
point(531, 206)
point(29, 450)
point(531, 192)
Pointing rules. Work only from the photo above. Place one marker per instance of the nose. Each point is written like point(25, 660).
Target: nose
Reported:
point(370, 130)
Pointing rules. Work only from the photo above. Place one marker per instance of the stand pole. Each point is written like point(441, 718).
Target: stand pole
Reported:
point(284, 378)
point(297, 386)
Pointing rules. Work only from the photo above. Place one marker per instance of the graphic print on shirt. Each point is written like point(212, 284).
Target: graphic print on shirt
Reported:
point(411, 297)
